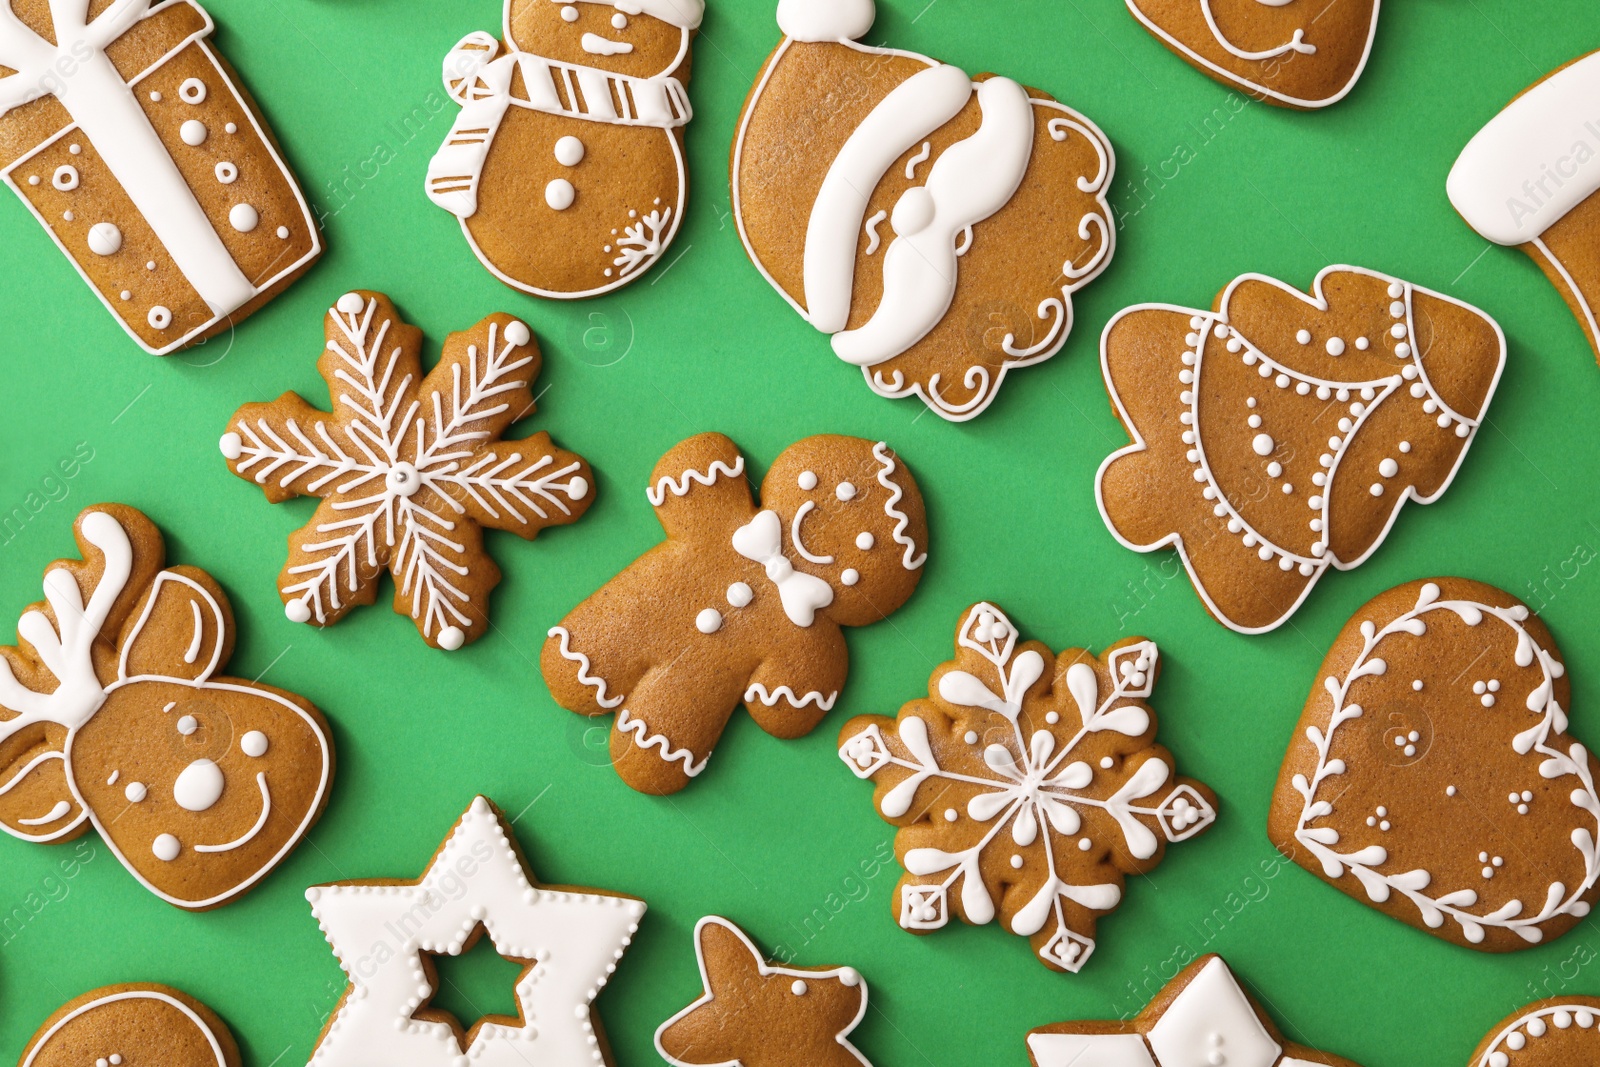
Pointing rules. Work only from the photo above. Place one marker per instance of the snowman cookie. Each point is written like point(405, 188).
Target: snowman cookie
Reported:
point(934, 224)
point(565, 165)
point(742, 603)
point(1432, 774)
point(132, 1025)
point(1280, 433)
point(1559, 1032)
point(114, 714)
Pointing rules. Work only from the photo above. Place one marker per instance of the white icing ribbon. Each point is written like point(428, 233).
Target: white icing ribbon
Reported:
point(802, 595)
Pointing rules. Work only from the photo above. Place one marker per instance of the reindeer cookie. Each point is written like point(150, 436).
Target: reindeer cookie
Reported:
point(132, 1025)
point(116, 716)
point(741, 603)
point(565, 165)
point(759, 1015)
point(1559, 1032)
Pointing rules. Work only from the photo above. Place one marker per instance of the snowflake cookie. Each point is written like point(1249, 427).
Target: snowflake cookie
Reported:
point(761, 1015)
point(1432, 774)
point(1202, 1018)
point(1559, 1032)
point(1281, 434)
point(409, 469)
point(386, 934)
point(114, 714)
point(132, 1025)
point(1032, 780)
point(742, 603)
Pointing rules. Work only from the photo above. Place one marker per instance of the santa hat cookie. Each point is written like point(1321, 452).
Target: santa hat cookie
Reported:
point(935, 225)
point(1529, 178)
point(1560, 1032)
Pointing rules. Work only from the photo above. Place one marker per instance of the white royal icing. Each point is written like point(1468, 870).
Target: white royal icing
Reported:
point(821, 21)
point(657, 494)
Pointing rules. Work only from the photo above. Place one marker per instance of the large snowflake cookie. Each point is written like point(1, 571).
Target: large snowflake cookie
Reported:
point(387, 933)
point(742, 603)
point(565, 165)
point(131, 142)
point(1202, 1018)
point(114, 713)
point(1529, 179)
point(1026, 785)
point(1279, 434)
point(1302, 54)
point(1559, 1032)
point(758, 1014)
point(409, 469)
point(1432, 774)
point(935, 224)
point(132, 1025)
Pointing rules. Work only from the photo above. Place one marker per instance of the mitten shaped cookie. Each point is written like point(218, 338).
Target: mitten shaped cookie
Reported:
point(1432, 774)
point(935, 225)
point(115, 714)
point(132, 1025)
point(565, 165)
point(1559, 1032)
point(409, 469)
point(1302, 54)
point(1026, 786)
point(1279, 434)
point(742, 603)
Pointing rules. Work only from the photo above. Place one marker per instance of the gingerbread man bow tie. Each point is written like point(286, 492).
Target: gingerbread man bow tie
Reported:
point(761, 541)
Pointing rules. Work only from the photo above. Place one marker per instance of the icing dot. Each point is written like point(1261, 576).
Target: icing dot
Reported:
point(193, 133)
point(1084, 844)
point(708, 621)
point(1450, 791)
point(1376, 489)
point(808, 480)
point(159, 318)
point(105, 239)
point(1417, 685)
point(1396, 290)
point(65, 178)
point(560, 194)
point(283, 233)
point(151, 265)
point(1304, 337)
point(1363, 344)
point(165, 848)
point(517, 333)
point(227, 173)
point(1263, 444)
point(155, 97)
point(126, 294)
point(192, 91)
point(351, 303)
point(230, 128)
point(850, 577)
point(75, 149)
point(799, 988)
point(187, 725)
point(865, 541)
point(740, 594)
point(971, 737)
point(849, 977)
point(569, 13)
point(845, 491)
point(1397, 309)
point(452, 638)
point(135, 792)
point(1388, 468)
point(1253, 421)
point(1106, 763)
point(33, 179)
point(243, 217)
point(253, 744)
point(1274, 469)
point(569, 151)
point(1016, 863)
point(950, 815)
point(619, 21)
point(1335, 346)
point(297, 611)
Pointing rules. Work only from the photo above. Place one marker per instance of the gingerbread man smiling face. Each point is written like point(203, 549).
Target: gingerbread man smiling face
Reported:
point(743, 603)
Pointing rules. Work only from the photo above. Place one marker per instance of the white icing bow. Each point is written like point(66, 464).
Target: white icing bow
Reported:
point(761, 541)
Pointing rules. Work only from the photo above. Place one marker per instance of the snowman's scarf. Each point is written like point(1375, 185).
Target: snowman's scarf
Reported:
point(482, 84)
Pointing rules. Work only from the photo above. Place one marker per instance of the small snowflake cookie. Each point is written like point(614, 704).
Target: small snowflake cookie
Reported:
point(565, 164)
point(1202, 1018)
point(1280, 434)
point(934, 224)
point(132, 1025)
point(135, 147)
point(387, 933)
point(114, 714)
point(409, 469)
point(1528, 179)
point(762, 1015)
point(1302, 54)
point(1026, 785)
point(1432, 774)
point(1559, 1032)
point(742, 603)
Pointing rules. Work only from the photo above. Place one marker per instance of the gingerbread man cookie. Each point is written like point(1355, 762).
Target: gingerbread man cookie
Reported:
point(116, 715)
point(132, 1025)
point(760, 1015)
point(565, 165)
point(1432, 774)
point(936, 225)
point(409, 469)
point(742, 603)
point(1280, 434)
point(1032, 780)
point(1559, 1032)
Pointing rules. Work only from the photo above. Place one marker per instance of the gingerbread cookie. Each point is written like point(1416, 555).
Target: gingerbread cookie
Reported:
point(741, 603)
point(131, 142)
point(1279, 434)
point(1201, 1018)
point(409, 469)
point(1302, 54)
point(565, 165)
point(1432, 774)
point(936, 225)
point(567, 939)
point(132, 1025)
point(1529, 178)
point(1031, 779)
point(759, 1015)
point(1559, 1032)
point(116, 715)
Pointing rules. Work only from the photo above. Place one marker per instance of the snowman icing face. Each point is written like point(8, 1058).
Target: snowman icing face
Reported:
point(637, 38)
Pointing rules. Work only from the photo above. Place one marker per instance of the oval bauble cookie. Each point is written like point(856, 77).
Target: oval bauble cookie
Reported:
point(132, 1025)
point(1559, 1032)
point(1432, 774)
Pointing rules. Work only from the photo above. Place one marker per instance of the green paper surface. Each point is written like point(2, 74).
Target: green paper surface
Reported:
point(780, 836)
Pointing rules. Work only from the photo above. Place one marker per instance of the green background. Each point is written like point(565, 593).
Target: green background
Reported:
point(777, 832)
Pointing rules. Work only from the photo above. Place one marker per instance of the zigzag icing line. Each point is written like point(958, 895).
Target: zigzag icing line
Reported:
point(757, 691)
point(657, 494)
point(583, 667)
point(644, 739)
point(902, 520)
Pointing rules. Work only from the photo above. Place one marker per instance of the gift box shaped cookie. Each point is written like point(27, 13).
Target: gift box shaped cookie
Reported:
point(136, 149)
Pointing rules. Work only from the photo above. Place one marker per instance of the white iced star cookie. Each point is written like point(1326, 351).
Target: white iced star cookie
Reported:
point(385, 933)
